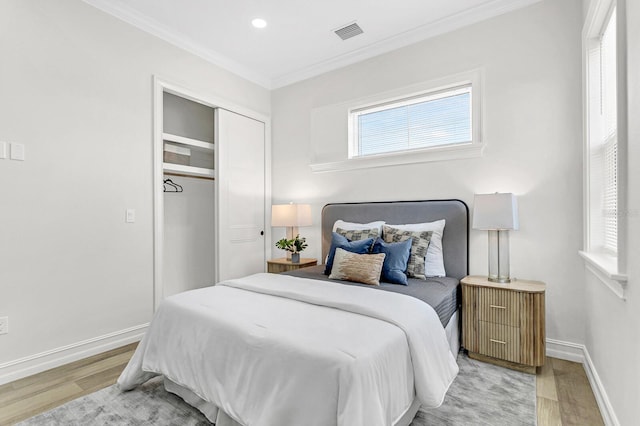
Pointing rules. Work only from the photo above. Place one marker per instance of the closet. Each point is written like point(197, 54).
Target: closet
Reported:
point(211, 193)
point(189, 216)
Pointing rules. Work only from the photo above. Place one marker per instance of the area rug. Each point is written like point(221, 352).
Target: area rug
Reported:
point(485, 394)
point(482, 394)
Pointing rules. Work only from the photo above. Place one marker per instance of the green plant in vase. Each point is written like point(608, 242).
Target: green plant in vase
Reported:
point(295, 246)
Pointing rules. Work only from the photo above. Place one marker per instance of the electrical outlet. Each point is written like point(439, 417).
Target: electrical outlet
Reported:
point(4, 325)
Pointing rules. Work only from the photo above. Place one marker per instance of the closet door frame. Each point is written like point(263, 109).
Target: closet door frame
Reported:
point(161, 85)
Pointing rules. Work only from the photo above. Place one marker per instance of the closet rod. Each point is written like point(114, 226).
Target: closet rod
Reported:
point(189, 176)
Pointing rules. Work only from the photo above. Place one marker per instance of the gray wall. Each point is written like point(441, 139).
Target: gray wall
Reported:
point(189, 236)
point(76, 89)
point(531, 60)
point(187, 118)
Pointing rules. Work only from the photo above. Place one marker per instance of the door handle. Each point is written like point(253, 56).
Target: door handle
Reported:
point(261, 232)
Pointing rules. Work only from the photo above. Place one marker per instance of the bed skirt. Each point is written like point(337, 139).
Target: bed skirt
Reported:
point(220, 418)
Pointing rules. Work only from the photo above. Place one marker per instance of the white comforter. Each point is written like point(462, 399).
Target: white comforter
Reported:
point(278, 350)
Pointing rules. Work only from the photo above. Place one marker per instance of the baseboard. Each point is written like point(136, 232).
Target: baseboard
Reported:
point(565, 350)
point(579, 353)
point(33, 364)
point(606, 409)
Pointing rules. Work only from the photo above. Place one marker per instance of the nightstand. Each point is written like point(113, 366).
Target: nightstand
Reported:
point(275, 266)
point(504, 323)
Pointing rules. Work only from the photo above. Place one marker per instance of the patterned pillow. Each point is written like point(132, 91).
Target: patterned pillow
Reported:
point(355, 225)
point(361, 268)
point(433, 262)
point(358, 234)
point(419, 246)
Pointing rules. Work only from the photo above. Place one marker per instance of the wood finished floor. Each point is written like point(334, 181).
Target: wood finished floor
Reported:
point(564, 396)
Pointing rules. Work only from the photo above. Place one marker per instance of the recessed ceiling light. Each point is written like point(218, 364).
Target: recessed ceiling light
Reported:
point(259, 23)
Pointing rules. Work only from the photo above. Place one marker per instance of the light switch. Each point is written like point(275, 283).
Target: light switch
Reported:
point(17, 151)
point(3, 150)
point(131, 216)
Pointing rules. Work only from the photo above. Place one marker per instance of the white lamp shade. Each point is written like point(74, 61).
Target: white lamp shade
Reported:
point(291, 215)
point(495, 211)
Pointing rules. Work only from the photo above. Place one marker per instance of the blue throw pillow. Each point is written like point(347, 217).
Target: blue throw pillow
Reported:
point(395, 261)
point(337, 240)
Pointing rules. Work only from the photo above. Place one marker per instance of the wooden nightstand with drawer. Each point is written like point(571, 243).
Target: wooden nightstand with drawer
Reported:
point(504, 323)
point(276, 266)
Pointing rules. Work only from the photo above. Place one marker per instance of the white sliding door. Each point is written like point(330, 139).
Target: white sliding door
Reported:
point(240, 156)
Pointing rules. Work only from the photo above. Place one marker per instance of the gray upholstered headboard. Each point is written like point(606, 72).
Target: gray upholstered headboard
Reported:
point(455, 240)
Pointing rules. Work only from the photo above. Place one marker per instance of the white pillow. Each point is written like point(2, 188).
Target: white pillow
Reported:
point(352, 226)
point(434, 262)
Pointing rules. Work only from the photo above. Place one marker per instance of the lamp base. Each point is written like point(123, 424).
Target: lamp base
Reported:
point(499, 256)
point(292, 231)
point(499, 280)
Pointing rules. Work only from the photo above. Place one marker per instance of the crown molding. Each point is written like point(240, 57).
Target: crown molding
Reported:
point(153, 27)
point(432, 29)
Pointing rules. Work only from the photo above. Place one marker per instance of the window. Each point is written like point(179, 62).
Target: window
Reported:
point(607, 141)
point(421, 121)
point(603, 141)
point(433, 120)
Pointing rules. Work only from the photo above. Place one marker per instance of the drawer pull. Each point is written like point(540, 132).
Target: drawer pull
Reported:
point(498, 341)
point(497, 307)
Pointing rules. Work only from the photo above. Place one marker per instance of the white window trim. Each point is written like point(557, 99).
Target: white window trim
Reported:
point(445, 152)
point(605, 267)
point(609, 268)
point(412, 99)
point(473, 149)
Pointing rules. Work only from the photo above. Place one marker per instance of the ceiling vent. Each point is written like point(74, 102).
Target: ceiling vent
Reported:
point(349, 31)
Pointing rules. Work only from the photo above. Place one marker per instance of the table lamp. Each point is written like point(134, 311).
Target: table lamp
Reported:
point(498, 214)
point(291, 216)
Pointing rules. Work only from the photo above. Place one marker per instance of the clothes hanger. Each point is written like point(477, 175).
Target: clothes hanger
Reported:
point(177, 187)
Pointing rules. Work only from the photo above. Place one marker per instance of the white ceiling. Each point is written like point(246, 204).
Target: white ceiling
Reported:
point(298, 42)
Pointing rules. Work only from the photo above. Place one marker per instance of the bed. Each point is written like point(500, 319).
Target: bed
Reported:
point(285, 350)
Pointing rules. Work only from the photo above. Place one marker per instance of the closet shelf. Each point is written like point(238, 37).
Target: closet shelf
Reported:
point(189, 170)
point(208, 146)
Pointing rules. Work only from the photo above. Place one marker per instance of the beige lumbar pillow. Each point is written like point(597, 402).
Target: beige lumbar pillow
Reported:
point(361, 268)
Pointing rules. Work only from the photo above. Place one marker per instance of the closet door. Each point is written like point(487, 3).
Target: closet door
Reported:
point(240, 155)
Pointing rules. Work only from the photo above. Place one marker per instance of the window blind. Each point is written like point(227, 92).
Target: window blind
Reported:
point(610, 195)
point(609, 140)
point(429, 120)
point(608, 78)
